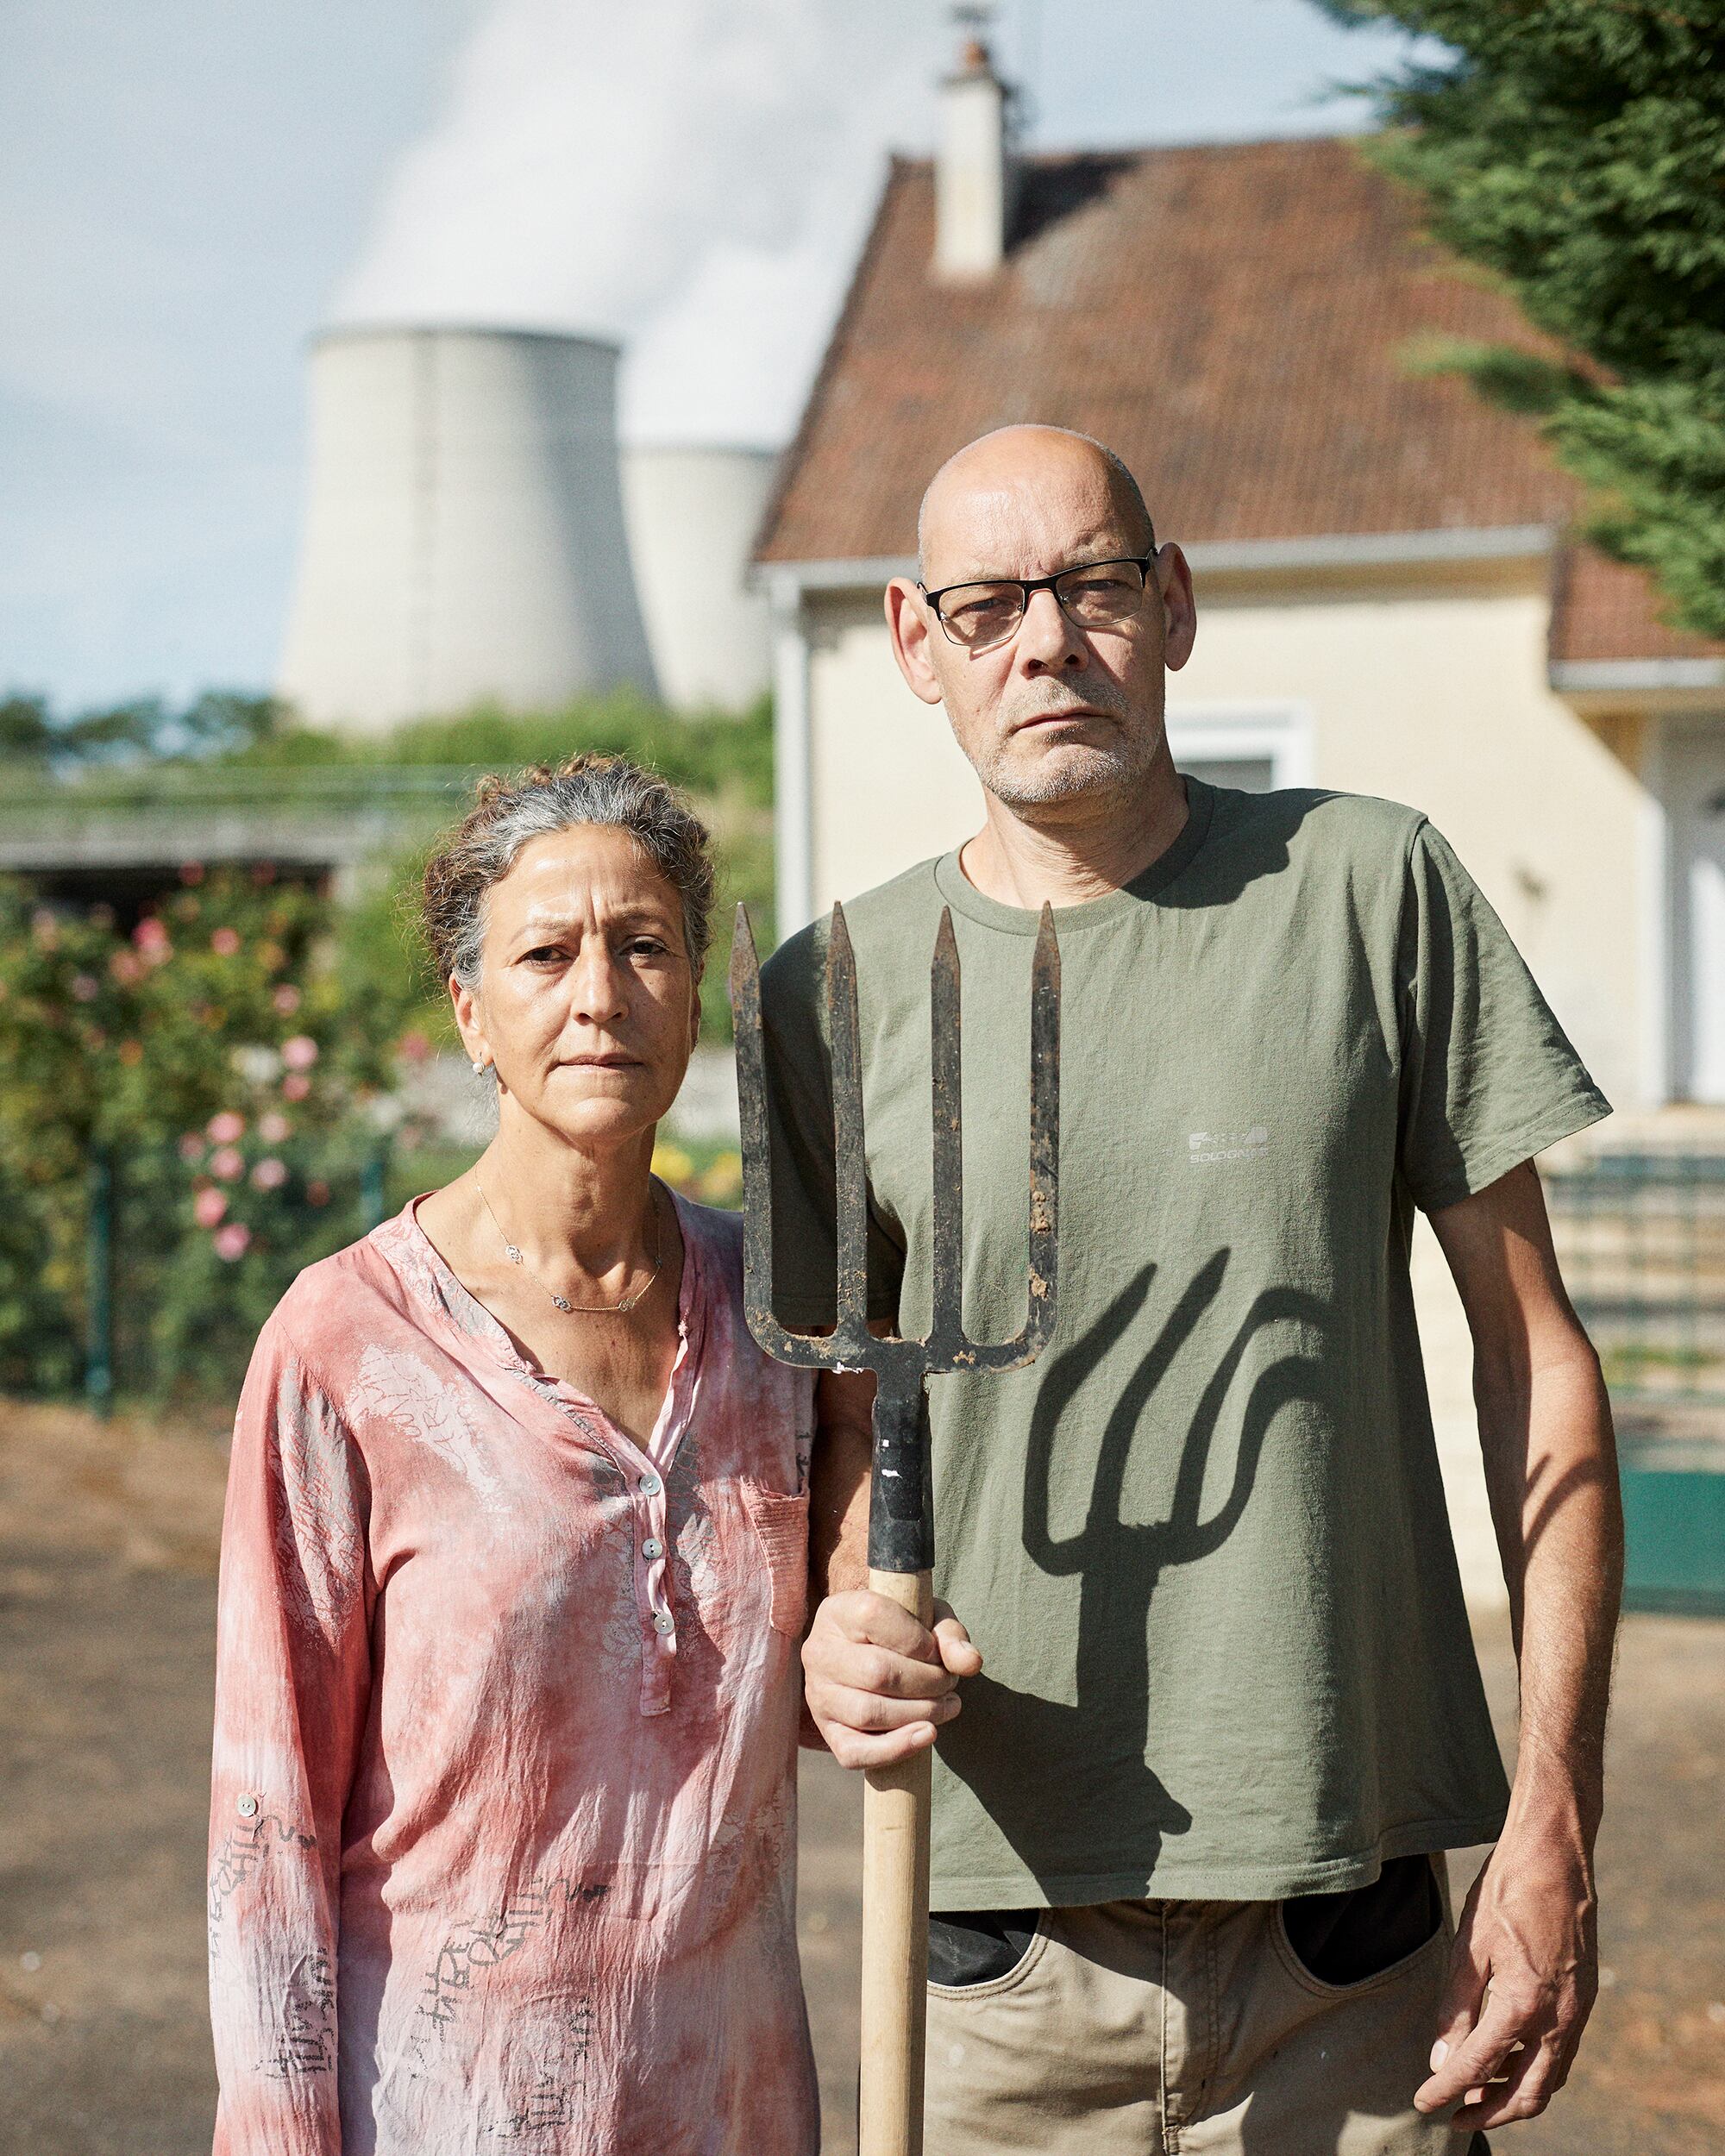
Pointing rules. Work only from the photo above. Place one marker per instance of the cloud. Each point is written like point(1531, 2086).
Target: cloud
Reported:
point(690, 176)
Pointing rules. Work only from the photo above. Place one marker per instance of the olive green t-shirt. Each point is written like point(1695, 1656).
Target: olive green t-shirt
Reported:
point(1202, 1542)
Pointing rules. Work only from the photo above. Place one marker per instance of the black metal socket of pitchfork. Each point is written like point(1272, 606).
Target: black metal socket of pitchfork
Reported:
point(901, 1521)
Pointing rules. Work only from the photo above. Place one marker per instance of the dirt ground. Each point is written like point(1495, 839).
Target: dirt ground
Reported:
point(107, 1565)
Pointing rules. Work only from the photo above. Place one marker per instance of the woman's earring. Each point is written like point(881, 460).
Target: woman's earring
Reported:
point(480, 1070)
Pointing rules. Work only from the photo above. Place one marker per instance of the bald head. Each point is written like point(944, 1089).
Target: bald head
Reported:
point(1008, 482)
point(1061, 713)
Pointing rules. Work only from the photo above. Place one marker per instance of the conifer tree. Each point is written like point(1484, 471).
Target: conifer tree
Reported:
point(1576, 148)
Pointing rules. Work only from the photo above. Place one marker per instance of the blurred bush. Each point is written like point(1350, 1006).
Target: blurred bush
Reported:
point(714, 755)
point(233, 1065)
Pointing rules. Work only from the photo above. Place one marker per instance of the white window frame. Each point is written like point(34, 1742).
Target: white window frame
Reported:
point(1281, 732)
point(1669, 951)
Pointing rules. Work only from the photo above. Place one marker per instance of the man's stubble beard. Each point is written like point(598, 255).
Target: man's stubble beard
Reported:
point(1120, 765)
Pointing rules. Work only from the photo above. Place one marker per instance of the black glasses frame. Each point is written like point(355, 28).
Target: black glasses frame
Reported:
point(1026, 586)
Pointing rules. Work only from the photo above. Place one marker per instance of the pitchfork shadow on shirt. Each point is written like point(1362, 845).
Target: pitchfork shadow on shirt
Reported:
point(1118, 1565)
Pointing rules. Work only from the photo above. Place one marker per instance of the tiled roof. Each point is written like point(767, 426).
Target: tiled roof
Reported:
point(1233, 319)
point(1602, 610)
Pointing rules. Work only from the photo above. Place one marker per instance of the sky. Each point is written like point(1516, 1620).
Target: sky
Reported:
point(190, 189)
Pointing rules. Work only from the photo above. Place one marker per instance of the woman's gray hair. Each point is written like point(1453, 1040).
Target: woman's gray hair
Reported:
point(508, 813)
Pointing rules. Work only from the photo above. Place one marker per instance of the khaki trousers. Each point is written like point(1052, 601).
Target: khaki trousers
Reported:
point(1187, 2028)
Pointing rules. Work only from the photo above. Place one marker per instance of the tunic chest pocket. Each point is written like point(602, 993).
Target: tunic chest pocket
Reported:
point(781, 1523)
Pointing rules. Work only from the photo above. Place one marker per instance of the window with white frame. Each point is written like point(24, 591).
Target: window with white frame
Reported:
point(1255, 746)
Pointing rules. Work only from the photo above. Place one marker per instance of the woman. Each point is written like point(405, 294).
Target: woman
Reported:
point(512, 1580)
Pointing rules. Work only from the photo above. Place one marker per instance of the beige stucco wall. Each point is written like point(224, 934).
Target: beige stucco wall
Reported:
point(1428, 693)
point(887, 783)
point(1440, 699)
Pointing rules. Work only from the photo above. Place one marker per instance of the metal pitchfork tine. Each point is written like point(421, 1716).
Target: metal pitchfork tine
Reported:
point(895, 1816)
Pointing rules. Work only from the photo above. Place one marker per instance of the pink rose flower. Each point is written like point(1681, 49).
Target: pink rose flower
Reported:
point(225, 1128)
point(295, 1086)
point(225, 942)
point(150, 940)
point(126, 967)
point(299, 1053)
point(286, 999)
point(208, 1207)
point(269, 1174)
point(232, 1241)
point(191, 1148)
point(273, 1129)
point(227, 1163)
point(413, 1047)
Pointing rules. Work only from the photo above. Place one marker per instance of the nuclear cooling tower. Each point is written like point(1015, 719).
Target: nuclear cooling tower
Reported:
point(464, 536)
point(692, 515)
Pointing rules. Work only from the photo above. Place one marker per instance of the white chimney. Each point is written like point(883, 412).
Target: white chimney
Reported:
point(975, 179)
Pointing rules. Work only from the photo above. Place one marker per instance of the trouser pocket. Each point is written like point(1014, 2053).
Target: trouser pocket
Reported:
point(1343, 1939)
point(974, 1946)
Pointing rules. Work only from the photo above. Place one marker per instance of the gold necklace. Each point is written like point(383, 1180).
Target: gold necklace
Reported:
point(582, 1309)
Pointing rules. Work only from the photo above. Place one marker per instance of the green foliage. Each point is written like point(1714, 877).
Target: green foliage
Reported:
point(1576, 148)
point(227, 987)
point(223, 1058)
point(378, 960)
point(711, 755)
point(218, 721)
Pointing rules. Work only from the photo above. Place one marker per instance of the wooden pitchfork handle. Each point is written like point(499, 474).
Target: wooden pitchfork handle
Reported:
point(895, 1810)
point(895, 1819)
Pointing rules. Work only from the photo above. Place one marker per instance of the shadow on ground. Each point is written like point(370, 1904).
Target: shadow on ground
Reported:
point(107, 1578)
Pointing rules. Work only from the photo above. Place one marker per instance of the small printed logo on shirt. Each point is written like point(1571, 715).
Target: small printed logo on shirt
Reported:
point(1216, 1148)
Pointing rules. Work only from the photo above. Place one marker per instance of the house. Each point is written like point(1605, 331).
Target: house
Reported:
point(1389, 601)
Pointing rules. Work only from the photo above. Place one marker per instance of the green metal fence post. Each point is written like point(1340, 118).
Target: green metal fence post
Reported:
point(373, 1180)
point(98, 1346)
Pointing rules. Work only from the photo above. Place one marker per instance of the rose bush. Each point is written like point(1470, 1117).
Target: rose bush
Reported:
point(228, 1058)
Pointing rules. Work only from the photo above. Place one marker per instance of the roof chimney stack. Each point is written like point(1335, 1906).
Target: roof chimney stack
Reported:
point(974, 171)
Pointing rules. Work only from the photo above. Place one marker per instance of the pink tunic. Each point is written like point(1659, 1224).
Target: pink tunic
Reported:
point(504, 1829)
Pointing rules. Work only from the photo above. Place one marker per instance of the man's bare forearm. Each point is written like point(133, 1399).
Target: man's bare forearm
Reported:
point(1551, 1472)
point(838, 1502)
point(1551, 1475)
point(1523, 1972)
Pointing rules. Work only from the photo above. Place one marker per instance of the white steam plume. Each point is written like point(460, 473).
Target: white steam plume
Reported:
point(692, 176)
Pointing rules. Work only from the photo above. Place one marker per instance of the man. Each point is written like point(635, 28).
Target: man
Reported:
point(1221, 1716)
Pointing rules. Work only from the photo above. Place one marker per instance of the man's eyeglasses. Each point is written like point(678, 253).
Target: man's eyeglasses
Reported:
point(1093, 595)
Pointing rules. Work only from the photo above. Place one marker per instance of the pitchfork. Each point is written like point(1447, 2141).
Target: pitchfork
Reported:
point(895, 1811)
